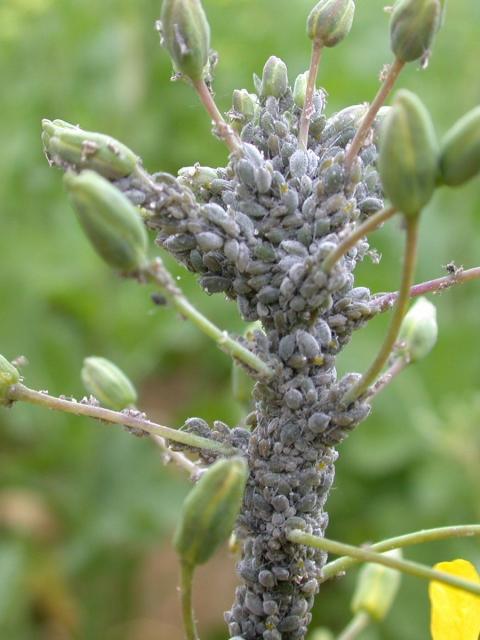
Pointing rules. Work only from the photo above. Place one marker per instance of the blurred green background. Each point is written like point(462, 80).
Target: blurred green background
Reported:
point(86, 511)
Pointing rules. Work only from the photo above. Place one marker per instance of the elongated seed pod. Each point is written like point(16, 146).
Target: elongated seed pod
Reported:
point(210, 510)
point(408, 160)
point(108, 383)
point(68, 145)
point(186, 36)
point(376, 589)
point(460, 150)
point(109, 219)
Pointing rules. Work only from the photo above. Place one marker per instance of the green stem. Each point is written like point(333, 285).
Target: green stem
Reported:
point(402, 305)
point(224, 130)
point(332, 569)
point(317, 48)
point(358, 624)
point(371, 224)
point(187, 606)
point(367, 555)
point(399, 365)
point(19, 392)
point(378, 102)
point(160, 276)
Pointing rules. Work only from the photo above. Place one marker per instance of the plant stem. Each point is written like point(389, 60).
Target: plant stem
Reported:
point(371, 224)
point(224, 130)
point(358, 624)
point(18, 392)
point(392, 372)
point(367, 555)
point(187, 606)
point(386, 300)
point(178, 458)
point(317, 48)
point(379, 100)
point(160, 275)
point(417, 537)
point(401, 307)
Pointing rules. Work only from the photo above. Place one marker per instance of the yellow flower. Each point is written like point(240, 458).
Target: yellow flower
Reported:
point(455, 613)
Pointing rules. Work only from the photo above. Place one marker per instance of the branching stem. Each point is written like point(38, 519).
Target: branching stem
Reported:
point(370, 225)
point(160, 276)
point(378, 102)
point(367, 555)
point(306, 116)
point(359, 623)
point(341, 565)
point(224, 130)
point(19, 392)
point(401, 307)
point(385, 301)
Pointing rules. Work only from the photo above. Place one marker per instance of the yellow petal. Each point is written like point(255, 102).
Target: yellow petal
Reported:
point(455, 613)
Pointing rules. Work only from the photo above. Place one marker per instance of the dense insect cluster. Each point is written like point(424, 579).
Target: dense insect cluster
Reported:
point(258, 230)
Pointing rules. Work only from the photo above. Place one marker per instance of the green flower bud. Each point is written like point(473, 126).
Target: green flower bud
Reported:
point(108, 383)
point(69, 146)
point(321, 634)
point(376, 588)
point(109, 219)
point(413, 26)
point(460, 150)
point(418, 333)
point(300, 89)
point(330, 21)
point(408, 160)
point(9, 375)
point(210, 510)
point(244, 109)
point(186, 36)
point(274, 78)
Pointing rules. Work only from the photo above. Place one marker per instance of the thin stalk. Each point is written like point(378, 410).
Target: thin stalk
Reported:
point(385, 301)
point(367, 555)
point(178, 458)
point(317, 48)
point(341, 565)
point(158, 273)
point(223, 129)
point(401, 307)
point(19, 392)
point(359, 623)
point(378, 102)
point(187, 606)
point(392, 372)
point(370, 225)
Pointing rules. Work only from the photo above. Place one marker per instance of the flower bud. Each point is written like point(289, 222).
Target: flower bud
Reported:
point(109, 219)
point(9, 375)
point(376, 588)
point(321, 634)
point(186, 36)
point(108, 383)
point(460, 150)
point(274, 78)
point(210, 510)
point(196, 177)
point(408, 160)
point(245, 104)
point(69, 146)
point(330, 21)
point(413, 26)
point(300, 89)
point(418, 333)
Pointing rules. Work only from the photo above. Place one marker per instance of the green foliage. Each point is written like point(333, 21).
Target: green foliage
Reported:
point(112, 500)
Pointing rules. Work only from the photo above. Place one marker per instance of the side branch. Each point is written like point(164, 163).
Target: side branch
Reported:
point(367, 555)
point(385, 301)
point(161, 276)
point(18, 392)
point(341, 565)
